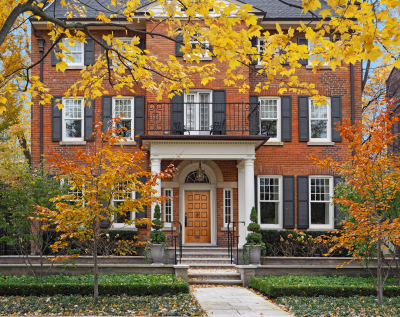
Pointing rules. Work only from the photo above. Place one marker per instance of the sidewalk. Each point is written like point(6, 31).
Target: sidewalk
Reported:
point(235, 301)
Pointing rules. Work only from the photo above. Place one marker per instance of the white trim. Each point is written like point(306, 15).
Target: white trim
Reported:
point(196, 93)
point(172, 207)
point(132, 99)
point(64, 138)
point(279, 225)
point(82, 52)
point(327, 119)
point(278, 118)
point(231, 205)
point(331, 223)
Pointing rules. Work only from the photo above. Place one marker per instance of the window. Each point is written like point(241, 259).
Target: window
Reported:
point(198, 112)
point(75, 58)
point(124, 106)
point(116, 61)
point(320, 122)
point(261, 49)
point(269, 201)
point(73, 123)
point(228, 206)
point(321, 209)
point(204, 45)
point(168, 216)
point(122, 192)
point(319, 48)
point(270, 109)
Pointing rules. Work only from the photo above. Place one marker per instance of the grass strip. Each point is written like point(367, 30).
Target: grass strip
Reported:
point(74, 305)
point(324, 306)
point(309, 286)
point(117, 284)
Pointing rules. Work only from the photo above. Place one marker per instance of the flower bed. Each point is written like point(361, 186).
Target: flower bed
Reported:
point(308, 286)
point(118, 284)
point(171, 305)
point(344, 306)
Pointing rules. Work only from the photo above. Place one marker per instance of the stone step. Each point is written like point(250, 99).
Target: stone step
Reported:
point(217, 282)
point(204, 250)
point(205, 255)
point(214, 276)
point(205, 261)
point(211, 266)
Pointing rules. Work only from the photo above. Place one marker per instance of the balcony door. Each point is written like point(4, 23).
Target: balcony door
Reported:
point(198, 113)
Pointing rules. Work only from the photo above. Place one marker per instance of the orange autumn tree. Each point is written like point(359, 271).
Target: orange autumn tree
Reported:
point(372, 176)
point(96, 176)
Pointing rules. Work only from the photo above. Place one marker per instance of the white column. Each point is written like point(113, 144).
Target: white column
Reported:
point(241, 204)
point(248, 189)
point(156, 168)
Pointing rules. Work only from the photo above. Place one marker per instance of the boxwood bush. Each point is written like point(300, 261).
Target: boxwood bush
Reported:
point(309, 286)
point(118, 284)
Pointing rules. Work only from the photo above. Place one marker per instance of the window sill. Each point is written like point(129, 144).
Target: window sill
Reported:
point(166, 228)
point(123, 227)
point(273, 143)
point(321, 67)
point(320, 143)
point(226, 229)
point(72, 142)
point(209, 58)
point(76, 67)
point(126, 143)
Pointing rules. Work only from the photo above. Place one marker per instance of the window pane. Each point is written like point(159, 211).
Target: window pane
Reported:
point(204, 112)
point(228, 206)
point(168, 207)
point(319, 213)
point(269, 212)
point(73, 108)
point(269, 108)
point(121, 218)
point(269, 128)
point(319, 111)
point(76, 53)
point(73, 128)
point(127, 124)
point(269, 189)
point(123, 106)
point(191, 117)
point(319, 129)
point(320, 189)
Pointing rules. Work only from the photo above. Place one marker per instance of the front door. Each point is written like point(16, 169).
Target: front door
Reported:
point(197, 216)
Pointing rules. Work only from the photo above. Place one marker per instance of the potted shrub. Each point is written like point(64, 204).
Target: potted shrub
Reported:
point(157, 246)
point(254, 247)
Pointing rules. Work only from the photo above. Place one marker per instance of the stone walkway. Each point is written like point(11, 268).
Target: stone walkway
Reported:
point(235, 301)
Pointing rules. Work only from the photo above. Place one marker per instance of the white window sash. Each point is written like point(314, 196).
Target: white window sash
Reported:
point(278, 118)
point(327, 119)
point(64, 123)
point(330, 225)
point(82, 52)
point(171, 201)
point(197, 118)
point(132, 215)
point(279, 225)
point(225, 206)
point(260, 49)
point(132, 117)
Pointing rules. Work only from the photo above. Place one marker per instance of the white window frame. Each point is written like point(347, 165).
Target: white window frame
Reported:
point(67, 60)
point(207, 56)
point(132, 99)
point(328, 119)
point(313, 56)
point(225, 206)
point(197, 115)
point(64, 125)
point(279, 225)
point(171, 201)
point(259, 39)
point(331, 223)
point(123, 39)
point(121, 225)
point(278, 119)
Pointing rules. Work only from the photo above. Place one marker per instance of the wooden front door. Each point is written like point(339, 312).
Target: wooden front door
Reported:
point(197, 213)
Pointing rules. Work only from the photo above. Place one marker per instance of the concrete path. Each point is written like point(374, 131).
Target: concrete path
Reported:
point(235, 301)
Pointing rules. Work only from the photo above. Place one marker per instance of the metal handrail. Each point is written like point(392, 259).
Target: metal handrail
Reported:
point(174, 237)
point(231, 240)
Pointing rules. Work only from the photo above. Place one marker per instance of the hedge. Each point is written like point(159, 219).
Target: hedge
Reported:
point(310, 286)
point(118, 284)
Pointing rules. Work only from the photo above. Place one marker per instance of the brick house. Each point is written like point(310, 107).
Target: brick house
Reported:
point(252, 149)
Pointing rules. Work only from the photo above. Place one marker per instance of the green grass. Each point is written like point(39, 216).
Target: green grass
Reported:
point(118, 284)
point(309, 286)
point(168, 305)
point(324, 306)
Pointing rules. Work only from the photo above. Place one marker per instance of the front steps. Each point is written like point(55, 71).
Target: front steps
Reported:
point(210, 265)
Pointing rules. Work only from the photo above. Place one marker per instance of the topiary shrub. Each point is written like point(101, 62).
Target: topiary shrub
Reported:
point(157, 236)
point(253, 238)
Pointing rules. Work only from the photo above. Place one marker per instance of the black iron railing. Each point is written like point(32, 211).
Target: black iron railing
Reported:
point(202, 118)
point(176, 241)
point(233, 239)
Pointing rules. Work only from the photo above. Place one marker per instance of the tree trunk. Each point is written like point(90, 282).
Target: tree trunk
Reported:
point(96, 276)
point(379, 272)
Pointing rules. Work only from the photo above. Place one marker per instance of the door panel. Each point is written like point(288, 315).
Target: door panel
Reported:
point(197, 211)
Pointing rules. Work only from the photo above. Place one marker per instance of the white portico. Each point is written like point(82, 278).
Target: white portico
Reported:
point(199, 198)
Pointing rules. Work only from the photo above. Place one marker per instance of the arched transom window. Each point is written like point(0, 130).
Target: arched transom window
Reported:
point(193, 177)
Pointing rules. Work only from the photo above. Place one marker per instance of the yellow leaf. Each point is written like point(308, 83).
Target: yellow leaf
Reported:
point(62, 66)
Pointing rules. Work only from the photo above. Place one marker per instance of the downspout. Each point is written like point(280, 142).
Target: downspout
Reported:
point(41, 42)
point(352, 94)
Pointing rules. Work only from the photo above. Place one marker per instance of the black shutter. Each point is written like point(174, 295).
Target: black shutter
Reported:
point(102, 49)
point(303, 41)
point(178, 45)
point(139, 116)
point(256, 194)
point(89, 120)
point(54, 59)
point(254, 43)
point(336, 104)
point(286, 118)
point(254, 116)
point(106, 111)
point(141, 214)
point(288, 202)
point(338, 214)
point(302, 203)
point(219, 107)
point(56, 120)
point(142, 43)
point(304, 134)
point(89, 52)
point(177, 113)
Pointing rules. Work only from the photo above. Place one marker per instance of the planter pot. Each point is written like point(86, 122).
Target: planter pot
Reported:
point(157, 253)
point(255, 254)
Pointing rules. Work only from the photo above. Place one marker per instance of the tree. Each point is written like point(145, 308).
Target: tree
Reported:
point(99, 175)
point(372, 174)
